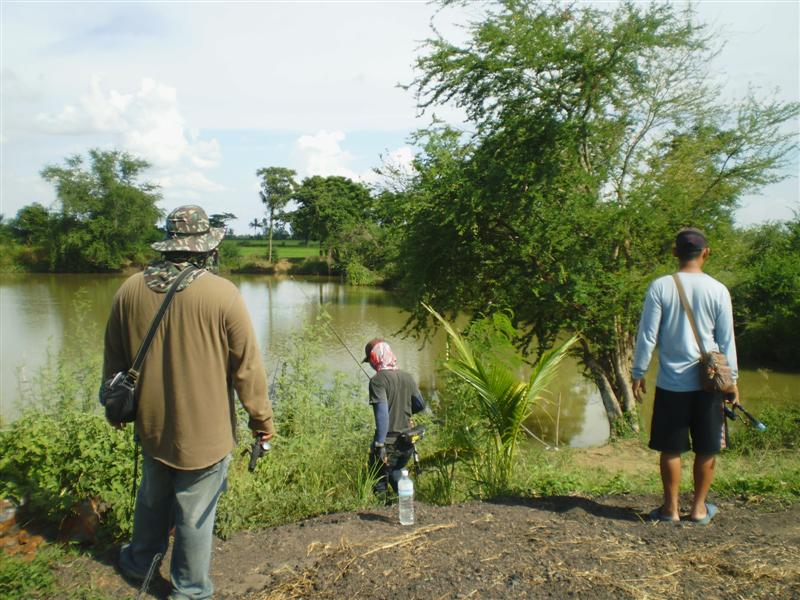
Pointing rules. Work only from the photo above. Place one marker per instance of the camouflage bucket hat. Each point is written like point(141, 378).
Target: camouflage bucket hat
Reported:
point(189, 230)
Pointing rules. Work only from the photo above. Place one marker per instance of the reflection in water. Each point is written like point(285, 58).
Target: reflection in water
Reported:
point(40, 310)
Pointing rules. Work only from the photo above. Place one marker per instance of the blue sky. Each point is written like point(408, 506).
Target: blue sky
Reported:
point(209, 92)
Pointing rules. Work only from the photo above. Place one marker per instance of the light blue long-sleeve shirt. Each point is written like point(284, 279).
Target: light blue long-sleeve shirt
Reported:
point(664, 324)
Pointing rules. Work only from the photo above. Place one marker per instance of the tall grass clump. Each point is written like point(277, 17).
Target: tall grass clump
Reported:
point(318, 463)
point(782, 434)
point(501, 401)
point(761, 464)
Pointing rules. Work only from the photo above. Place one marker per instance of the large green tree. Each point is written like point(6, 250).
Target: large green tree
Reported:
point(105, 215)
point(277, 187)
point(334, 210)
point(766, 295)
point(594, 134)
point(36, 230)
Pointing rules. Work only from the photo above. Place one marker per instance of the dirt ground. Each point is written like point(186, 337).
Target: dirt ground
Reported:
point(558, 547)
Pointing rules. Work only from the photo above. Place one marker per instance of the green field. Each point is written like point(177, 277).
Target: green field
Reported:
point(289, 249)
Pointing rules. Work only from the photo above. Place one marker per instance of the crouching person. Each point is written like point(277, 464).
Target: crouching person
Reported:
point(394, 397)
point(204, 348)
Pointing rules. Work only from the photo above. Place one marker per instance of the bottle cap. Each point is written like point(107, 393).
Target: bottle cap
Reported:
point(405, 472)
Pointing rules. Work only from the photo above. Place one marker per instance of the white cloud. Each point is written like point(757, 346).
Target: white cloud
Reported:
point(205, 154)
point(188, 184)
point(401, 159)
point(322, 154)
point(397, 170)
point(147, 123)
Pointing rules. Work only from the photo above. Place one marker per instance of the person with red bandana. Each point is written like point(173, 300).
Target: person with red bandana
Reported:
point(394, 397)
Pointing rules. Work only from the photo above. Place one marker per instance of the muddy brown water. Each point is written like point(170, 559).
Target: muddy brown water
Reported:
point(39, 314)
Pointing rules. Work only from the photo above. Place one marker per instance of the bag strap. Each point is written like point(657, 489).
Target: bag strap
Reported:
point(145, 346)
point(688, 310)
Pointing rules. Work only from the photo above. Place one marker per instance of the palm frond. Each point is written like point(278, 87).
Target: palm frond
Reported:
point(504, 401)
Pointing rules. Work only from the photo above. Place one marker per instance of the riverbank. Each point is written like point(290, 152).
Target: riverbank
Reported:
point(573, 543)
point(553, 547)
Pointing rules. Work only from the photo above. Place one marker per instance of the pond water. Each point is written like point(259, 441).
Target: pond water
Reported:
point(38, 313)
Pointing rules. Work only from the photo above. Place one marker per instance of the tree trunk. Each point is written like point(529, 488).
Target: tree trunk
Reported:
point(609, 397)
point(271, 214)
point(622, 360)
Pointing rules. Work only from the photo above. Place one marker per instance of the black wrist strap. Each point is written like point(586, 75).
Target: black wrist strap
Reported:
point(145, 346)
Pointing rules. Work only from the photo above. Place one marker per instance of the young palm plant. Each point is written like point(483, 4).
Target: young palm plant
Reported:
point(504, 401)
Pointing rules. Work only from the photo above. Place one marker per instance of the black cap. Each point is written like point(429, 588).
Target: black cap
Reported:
point(690, 241)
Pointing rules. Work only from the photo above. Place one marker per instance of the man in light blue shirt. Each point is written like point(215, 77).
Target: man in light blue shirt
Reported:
point(681, 407)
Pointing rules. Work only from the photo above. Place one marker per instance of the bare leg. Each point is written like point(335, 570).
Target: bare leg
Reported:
point(671, 480)
point(703, 475)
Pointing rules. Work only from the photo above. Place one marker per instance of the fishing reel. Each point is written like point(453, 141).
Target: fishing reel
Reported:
point(734, 411)
point(408, 438)
point(257, 450)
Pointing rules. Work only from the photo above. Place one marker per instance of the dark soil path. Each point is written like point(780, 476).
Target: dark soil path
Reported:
point(557, 547)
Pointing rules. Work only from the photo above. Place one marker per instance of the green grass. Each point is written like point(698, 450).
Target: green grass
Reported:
point(288, 249)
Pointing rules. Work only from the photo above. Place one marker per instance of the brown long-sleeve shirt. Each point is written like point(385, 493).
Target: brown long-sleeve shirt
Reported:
point(203, 350)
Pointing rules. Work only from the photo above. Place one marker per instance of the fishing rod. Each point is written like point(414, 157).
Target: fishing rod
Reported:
point(331, 329)
point(730, 412)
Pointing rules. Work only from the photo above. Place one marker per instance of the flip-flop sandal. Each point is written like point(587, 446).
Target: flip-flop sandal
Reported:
point(656, 516)
point(711, 511)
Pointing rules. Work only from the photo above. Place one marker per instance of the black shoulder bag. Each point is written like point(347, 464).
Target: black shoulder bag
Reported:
point(118, 394)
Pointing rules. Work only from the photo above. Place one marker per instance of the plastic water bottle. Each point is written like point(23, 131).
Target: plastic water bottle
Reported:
point(405, 490)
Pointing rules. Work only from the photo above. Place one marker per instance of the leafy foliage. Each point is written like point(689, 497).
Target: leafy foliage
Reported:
point(335, 211)
point(504, 402)
point(105, 218)
point(55, 467)
point(22, 580)
point(766, 297)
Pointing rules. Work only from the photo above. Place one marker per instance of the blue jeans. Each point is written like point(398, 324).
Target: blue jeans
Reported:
point(187, 500)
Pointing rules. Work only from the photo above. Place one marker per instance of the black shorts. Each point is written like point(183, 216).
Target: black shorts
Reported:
point(677, 414)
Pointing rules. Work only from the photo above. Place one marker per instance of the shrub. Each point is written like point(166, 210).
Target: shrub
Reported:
point(783, 431)
point(358, 274)
point(53, 461)
point(313, 266)
point(230, 255)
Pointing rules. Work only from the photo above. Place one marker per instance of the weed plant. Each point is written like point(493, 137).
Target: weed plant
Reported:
point(21, 579)
point(782, 434)
point(502, 400)
point(356, 273)
point(318, 463)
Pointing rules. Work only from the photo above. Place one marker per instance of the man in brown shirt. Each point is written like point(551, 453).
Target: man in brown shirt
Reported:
point(204, 349)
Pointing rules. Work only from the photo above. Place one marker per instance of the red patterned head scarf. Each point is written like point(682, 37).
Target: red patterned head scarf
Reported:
point(382, 358)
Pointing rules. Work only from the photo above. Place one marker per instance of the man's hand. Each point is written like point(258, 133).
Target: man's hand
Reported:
point(639, 389)
point(732, 395)
point(263, 437)
point(380, 452)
